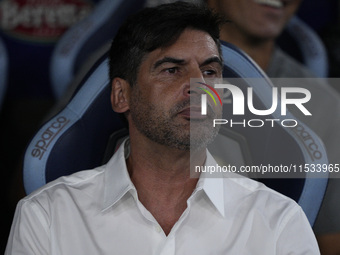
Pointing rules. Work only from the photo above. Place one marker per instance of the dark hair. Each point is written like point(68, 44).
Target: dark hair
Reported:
point(154, 28)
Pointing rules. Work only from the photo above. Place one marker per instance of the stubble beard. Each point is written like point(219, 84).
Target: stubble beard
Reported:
point(165, 128)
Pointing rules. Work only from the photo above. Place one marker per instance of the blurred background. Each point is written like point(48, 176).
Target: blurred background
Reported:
point(43, 52)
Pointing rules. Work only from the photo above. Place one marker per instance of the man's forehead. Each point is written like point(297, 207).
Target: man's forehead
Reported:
point(191, 43)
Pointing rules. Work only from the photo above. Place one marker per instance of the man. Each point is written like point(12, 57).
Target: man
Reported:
point(144, 201)
point(255, 26)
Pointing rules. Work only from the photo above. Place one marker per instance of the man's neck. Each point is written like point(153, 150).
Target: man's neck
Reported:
point(161, 176)
point(260, 50)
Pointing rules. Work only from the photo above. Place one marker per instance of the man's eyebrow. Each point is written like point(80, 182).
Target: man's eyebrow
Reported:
point(212, 60)
point(168, 60)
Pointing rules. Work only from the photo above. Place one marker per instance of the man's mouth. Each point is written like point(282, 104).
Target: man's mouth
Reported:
point(271, 3)
point(192, 112)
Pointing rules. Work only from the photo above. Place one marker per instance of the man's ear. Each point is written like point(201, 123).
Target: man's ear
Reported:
point(120, 95)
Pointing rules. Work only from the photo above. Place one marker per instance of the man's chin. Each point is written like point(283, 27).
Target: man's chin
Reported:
point(201, 138)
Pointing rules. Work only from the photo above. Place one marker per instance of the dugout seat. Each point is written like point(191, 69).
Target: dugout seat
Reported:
point(85, 39)
point(77, 137)
point(302, 43)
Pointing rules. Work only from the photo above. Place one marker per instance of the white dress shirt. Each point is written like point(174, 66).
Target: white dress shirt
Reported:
point(98, 212)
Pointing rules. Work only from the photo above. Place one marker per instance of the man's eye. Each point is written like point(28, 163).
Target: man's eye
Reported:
point(172, 70)
point(209, 72)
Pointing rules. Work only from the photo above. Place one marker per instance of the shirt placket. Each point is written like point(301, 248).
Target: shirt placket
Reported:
point(169, 247)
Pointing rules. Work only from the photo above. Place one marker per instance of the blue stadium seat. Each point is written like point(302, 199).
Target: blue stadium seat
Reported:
point(85, 38)
point(303, 190)
point(303, 43)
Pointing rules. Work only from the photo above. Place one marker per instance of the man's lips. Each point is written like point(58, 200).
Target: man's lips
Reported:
point(192, 112)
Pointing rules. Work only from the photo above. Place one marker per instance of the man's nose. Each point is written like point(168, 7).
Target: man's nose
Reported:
point(192, 83)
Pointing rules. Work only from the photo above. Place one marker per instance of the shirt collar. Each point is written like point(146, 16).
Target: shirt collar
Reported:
point(117, 181)
point(212, 185)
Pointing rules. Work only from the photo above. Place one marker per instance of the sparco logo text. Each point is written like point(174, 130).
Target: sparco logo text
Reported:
point(48, 136)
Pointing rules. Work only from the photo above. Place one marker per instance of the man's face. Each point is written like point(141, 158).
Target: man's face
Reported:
point(261, 19)
point(163, 106)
